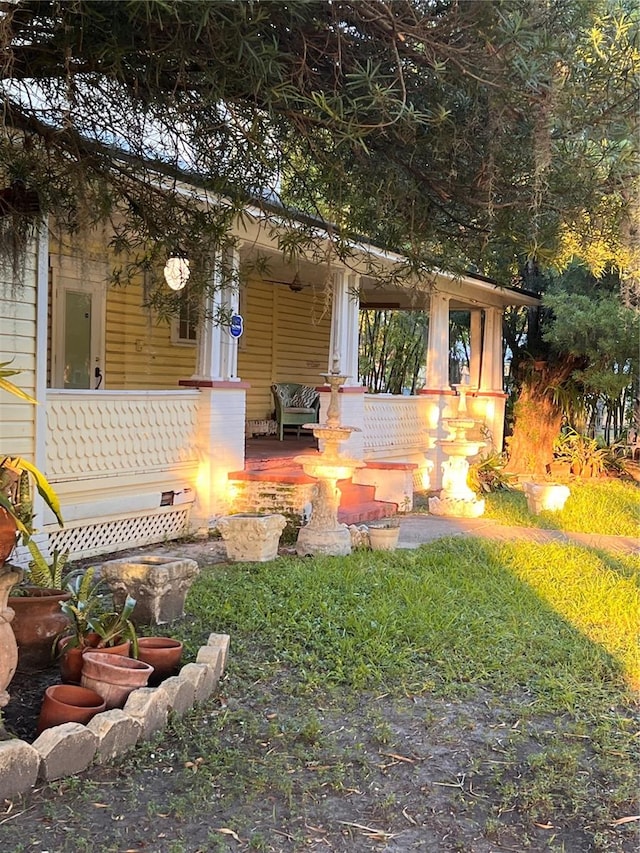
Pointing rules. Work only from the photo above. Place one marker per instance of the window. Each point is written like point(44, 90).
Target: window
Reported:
point(184, 328)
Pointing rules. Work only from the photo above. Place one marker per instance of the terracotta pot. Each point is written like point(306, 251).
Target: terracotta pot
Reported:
point(7, 535)
point(113, 676)
point(38, 621)
point(162, 653)
point(68, 703)
point(71, 659)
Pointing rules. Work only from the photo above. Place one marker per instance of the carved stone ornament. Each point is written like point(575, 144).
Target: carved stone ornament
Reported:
point(251, 538)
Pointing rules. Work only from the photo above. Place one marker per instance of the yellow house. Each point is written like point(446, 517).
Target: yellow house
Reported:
point(140, 422)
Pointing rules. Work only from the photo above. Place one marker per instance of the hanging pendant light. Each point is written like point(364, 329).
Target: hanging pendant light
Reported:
point(177, 272)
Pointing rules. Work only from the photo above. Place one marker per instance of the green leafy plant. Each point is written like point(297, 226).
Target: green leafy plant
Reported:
point(584, 454)
point(116, 626)
point(488, 474)
point(18, 476)
point(43, 574)
point(90, 624)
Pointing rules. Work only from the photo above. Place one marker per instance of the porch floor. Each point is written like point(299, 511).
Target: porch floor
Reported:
point(271, 452)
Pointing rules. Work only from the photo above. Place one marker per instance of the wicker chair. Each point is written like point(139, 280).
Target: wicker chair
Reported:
point(295, 405)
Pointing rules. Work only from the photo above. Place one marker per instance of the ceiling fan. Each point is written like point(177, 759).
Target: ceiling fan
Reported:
point(294, 285)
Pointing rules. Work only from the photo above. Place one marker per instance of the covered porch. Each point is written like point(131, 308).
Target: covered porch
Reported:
point(141, 423)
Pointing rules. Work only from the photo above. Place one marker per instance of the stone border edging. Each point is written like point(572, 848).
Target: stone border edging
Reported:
point(71, 748)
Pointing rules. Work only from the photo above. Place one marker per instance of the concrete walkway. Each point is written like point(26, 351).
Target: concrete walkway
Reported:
point(417, 530)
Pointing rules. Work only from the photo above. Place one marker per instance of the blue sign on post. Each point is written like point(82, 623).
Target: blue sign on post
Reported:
point(236, 326)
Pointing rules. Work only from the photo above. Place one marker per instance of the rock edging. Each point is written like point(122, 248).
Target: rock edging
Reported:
point(71, 748)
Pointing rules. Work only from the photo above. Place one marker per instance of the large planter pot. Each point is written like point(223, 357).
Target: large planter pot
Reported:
point(71, 659)
point(68, 703)
point(38, 621)
point(159, 585)
point(251, 538)
point(7, 535)
point(164, 655)
point(113, 677)
point(545, 497)
point(383, 538)
point(8, 646)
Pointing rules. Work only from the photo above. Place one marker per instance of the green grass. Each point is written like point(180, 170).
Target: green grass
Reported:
point(556, 621)
point(606, 508)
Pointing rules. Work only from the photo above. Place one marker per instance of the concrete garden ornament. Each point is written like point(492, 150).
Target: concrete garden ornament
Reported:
point(251, 538)
point(545, 497)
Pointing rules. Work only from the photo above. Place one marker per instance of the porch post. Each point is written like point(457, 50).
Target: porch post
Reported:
point(437, 378)
point(221, 413)
point(491, 396)
point(491, 376)
point(343, 345)
point(217, 357)
point(475, 334)
point(344, 325)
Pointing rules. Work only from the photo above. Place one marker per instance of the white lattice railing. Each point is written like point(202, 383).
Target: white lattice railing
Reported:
point(393, 426)
point(111, 433)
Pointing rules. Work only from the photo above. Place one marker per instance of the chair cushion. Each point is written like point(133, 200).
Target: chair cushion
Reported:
point(304, 397)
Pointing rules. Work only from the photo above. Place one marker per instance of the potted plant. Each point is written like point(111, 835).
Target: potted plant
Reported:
point(18, 478)
point(38, 619)
point(90, 626)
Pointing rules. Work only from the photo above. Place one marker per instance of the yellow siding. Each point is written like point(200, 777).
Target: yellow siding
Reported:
point(286, 339)
point(18, 345)
point(139, 351)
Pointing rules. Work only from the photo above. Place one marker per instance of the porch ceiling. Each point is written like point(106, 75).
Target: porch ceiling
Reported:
point(465, 292)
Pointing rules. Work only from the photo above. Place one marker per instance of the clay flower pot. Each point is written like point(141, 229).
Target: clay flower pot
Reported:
point(71, 659)
point(68, 703)
point(37, 622)
point(113, 677)
point(162, 653)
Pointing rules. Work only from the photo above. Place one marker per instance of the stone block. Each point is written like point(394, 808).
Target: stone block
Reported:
point(150, 707)
point(181, 694)
point(158, 584)
point(19, 765)
point(116, 733)
point(220, 641)
point(65, 750)
point(212, 657)
point(202, 676)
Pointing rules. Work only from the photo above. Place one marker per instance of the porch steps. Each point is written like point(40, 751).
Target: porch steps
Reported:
point(357, 502)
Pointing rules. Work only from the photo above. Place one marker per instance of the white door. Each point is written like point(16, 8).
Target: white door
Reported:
point(78, 336)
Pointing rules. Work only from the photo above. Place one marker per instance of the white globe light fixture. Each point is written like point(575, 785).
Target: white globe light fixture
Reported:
point(177, 272)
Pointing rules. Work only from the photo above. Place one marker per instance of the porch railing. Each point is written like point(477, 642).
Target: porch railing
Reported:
point(124, 465)
point(393, 426)
point(111, 433)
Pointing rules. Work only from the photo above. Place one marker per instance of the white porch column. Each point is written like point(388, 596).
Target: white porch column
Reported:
point(491, 376)
point(217, 357)
point(222, 409)
point(344, 325)
point(343, 344)
point(438, 343)
point(475, 335)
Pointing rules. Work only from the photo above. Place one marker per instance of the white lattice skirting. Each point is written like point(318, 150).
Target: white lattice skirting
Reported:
point(103, 537)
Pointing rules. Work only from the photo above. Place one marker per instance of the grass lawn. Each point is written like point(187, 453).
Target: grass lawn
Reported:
point(606, 507)
point(467, 696)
